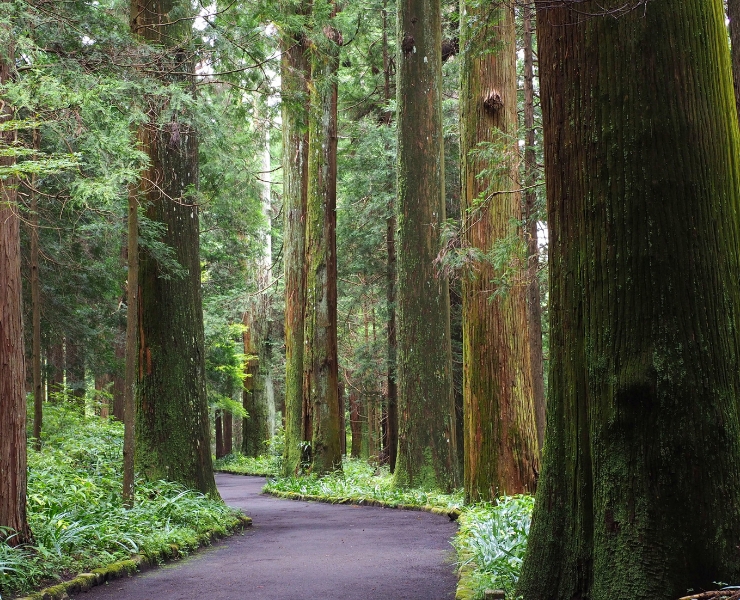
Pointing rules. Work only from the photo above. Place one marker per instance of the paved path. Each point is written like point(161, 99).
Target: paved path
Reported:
point(306, 551)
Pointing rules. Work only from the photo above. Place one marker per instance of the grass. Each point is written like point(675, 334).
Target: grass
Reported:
point(360, 482)
point(76, 514)
point(265, 466)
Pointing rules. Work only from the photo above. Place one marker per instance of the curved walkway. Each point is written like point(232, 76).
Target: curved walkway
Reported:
point(306, 551)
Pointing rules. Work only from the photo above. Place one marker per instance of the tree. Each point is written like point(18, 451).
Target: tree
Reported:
point(501, 454)
point(294, 71)
point(427, 448)
point(642, 451)
point(321, 362)
point(733, 14)
point(172, 427)
point(12, 358)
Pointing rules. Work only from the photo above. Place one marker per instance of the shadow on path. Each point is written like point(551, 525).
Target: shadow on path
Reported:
point(306, 551)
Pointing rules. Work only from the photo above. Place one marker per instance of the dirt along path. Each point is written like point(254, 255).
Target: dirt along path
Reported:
point(306, 551)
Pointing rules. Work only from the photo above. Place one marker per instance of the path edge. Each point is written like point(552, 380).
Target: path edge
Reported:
point(124, 568)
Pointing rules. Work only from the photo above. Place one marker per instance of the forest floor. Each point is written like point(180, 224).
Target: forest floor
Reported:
point(306, 550)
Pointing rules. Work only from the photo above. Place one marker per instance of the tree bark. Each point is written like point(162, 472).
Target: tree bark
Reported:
point(294, 70)
point(642, 451)
point(172, 429)
point(228, 424)
point(12, 357)
point(320, 325)
point(256, 428)
point(219, 427)
point(427, 448)
point(501, 455)
point(534, 302)
point(733, 13)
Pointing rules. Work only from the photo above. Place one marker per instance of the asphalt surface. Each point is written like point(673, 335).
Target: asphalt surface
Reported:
point(306, 551)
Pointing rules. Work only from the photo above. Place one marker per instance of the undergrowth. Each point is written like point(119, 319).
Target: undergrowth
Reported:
point(266, 465)
point(361, 481)
point(75, 508)
point(490, 545)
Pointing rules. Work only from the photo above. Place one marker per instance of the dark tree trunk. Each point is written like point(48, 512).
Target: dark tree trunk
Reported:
point(355, 424)
point(12, 357)
point(501, 453)
point(228, 424)
point(38, 396)
point(256, 427)
point(172, 429)
point(427, 449)
point(642, 452)
point(219, 426)
point(294, 69)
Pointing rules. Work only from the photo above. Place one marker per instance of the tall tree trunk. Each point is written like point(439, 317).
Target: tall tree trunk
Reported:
point(320, 326)
point(172, 429)
point(534, 304)
point(501, 454)
point(38, 396)
point(355, 423)
point(130, 382)
point(12, 357)
point(294, 70)
point(256, 427)
point(391, 438)
point(642, 452)
point(427, 449)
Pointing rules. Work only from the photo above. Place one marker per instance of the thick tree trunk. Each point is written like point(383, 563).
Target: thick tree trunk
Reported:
point(294, 69)
point(501, 454)
point(320, 326)
point(534, 303)
point(427, 449)
point(172, 428)
point(12, 357)
point(642, 453)
point(256, 427)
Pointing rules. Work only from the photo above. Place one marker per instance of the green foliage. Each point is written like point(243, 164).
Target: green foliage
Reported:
point(491, 543)
point(361, 481)
point(76, 512)
point(268, 464)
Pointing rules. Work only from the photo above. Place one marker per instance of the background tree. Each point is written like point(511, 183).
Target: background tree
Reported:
point(642, 447)
point(501, 453)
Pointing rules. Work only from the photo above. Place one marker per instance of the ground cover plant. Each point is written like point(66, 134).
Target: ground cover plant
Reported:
point(361, 481)
point(266, 465)
point(76, 512)
point(490, 545)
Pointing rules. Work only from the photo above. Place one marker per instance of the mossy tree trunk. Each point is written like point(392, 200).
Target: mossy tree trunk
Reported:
point(294, 72)
point(733, 14)
point(320, 326)
point(12, 357)
point(427, 448)
point(642, 453)
point(501, 454)
point(256, 425)
point(172, 428)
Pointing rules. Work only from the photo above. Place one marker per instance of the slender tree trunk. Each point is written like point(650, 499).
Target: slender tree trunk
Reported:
point(219, 427)
point(228, 424)
point(501, 454)
point(12, 357)
point(38, 397)
point(55, 366)
point(256, 428)
point(294, 69)
point(320, 326)
point(172, 429)
point(427, 449)
point(391, 439)
point(534, 304)
point(128, 403)
point(355, 424)
point(642, 452)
